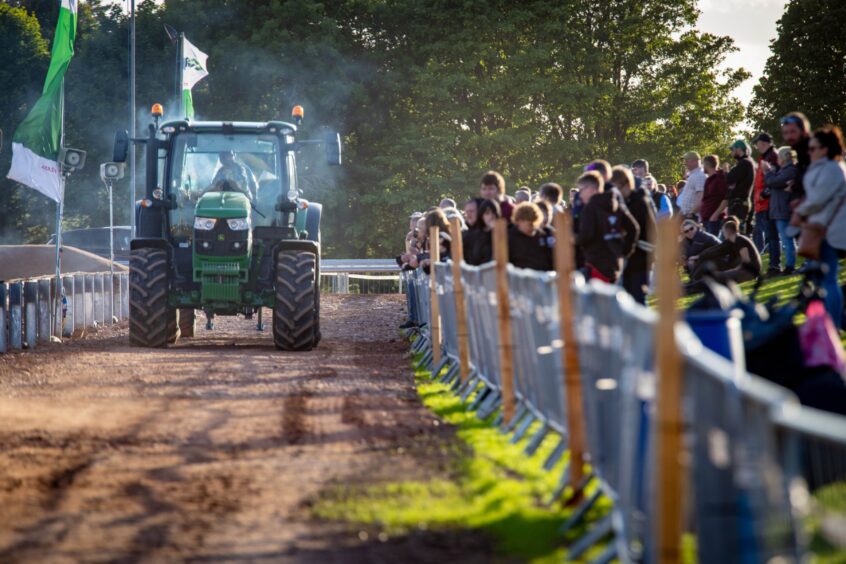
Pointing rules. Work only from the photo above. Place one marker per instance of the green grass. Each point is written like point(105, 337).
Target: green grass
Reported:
point(495, 489)
point(782, 288)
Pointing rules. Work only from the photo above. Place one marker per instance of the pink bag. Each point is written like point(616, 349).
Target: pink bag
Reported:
point(820, 340)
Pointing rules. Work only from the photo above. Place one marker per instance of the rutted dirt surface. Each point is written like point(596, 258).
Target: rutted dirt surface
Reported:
point(212, 450)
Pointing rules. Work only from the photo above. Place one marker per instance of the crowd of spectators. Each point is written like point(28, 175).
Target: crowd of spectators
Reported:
point(732, 214)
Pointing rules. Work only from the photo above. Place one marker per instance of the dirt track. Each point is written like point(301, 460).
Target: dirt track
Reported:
point(210, 450)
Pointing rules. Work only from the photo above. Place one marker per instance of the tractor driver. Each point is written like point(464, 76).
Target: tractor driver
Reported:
point(233, 172)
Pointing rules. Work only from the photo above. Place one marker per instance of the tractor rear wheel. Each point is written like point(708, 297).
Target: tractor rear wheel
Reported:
point(294, 313)
point(187, 321)
point(152, 322)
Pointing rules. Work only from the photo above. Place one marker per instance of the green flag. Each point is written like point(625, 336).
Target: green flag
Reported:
point(193, 71)
point(36, 143)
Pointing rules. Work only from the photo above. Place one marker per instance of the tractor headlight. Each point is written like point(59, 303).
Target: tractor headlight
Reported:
point(238, 224)
point(293, 195)
point(204, 223)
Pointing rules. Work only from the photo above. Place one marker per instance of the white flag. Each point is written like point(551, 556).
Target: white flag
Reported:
point(193, 65)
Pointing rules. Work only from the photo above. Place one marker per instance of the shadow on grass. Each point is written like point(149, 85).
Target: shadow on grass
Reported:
point(497, 490)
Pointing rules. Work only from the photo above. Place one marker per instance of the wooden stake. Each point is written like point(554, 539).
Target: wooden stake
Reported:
point(564, 265)
point(668, 362)
point(457, 251)
point(435, 324)
point(506, 346)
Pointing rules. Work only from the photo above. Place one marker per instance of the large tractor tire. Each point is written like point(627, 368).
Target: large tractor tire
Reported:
point(152, 322)
point(294, 314)
point(187, 321)
point(317, 335)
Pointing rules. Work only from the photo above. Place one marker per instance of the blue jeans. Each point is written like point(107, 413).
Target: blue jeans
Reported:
point(713, 227)
point(788, 244)
point(833, 295)
point(766, 232)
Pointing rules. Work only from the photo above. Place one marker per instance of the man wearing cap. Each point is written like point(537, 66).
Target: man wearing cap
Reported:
point(765, 231)
point(740, 179)
point(691, 197)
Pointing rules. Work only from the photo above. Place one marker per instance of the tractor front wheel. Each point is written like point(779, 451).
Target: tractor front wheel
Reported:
point(294, 314)
point(152, 322)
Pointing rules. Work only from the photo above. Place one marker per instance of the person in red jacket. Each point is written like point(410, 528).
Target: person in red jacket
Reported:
point(765, 233)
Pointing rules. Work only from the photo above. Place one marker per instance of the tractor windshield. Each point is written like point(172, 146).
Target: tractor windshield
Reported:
point(248, 163)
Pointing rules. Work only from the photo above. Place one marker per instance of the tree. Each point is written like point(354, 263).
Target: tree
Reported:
point(21, 75)
point(807, 68)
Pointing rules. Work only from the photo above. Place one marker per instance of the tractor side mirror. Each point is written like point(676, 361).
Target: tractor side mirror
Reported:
point(332, 143)
point(121, 146)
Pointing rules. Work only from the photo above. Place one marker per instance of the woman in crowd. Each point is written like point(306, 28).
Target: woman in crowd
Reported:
point(482, 251)
point(471, 218)
point(825, 192)
point(778, 182)
point(528, 245)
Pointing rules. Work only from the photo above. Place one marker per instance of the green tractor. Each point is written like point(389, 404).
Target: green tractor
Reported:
point(223, 228)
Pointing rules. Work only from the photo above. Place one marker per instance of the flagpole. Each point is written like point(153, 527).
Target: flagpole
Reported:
point(180, 54)
point(60, 208)
point(132, 186)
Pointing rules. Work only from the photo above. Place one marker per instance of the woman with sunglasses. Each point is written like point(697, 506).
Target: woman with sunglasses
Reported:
point(825, 193)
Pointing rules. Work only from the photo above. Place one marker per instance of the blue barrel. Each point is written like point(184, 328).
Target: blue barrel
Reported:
point(720, 331)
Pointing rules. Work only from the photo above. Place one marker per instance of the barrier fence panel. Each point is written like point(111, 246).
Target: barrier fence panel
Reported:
point(28, 315)
point(759, 464)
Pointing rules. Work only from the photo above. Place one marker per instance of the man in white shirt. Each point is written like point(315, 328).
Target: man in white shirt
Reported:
point(691, 197)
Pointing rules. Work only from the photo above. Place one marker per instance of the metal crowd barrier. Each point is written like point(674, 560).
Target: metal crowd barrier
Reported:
point(759, 464)
point(29, 316)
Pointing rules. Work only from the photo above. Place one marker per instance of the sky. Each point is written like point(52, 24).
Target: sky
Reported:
point(752, 24)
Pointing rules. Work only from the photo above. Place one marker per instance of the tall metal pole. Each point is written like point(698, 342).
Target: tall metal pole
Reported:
point(60, 208)
point(179, 69)
point(110, 184)
point(132, 116)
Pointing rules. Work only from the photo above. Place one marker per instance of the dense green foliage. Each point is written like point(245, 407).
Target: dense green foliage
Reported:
point(807, 68)
point(427, 95)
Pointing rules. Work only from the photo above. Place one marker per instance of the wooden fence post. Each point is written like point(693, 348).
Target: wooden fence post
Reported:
point(668, 362)
point(435, 308)
point(457, 252)
point(564, 265)
point(506, 346)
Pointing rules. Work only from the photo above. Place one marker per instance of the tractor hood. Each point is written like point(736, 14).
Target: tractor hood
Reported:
point(223, 205)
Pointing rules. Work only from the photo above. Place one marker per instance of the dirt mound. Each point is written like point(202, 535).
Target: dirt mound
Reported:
point(30, 261)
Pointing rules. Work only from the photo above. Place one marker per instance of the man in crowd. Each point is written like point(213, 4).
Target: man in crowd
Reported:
point(639, 264)
point(735, 259)
point(640, 169)
point(694, 242)
point(554, 194)
point(796, 131)
point(690, 199)
point(524, 194)
point(765, 232)
point(493, 188)
point(607, 232)
point(716, 189)
point(740, 179)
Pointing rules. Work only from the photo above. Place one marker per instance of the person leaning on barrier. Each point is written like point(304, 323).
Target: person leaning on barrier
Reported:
point(528, 244)
point(471, 218)
point(636, 272)
point(482, 248)
point(607, 233)
point(736, 259)
point(438, 218)
point(694, 241)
